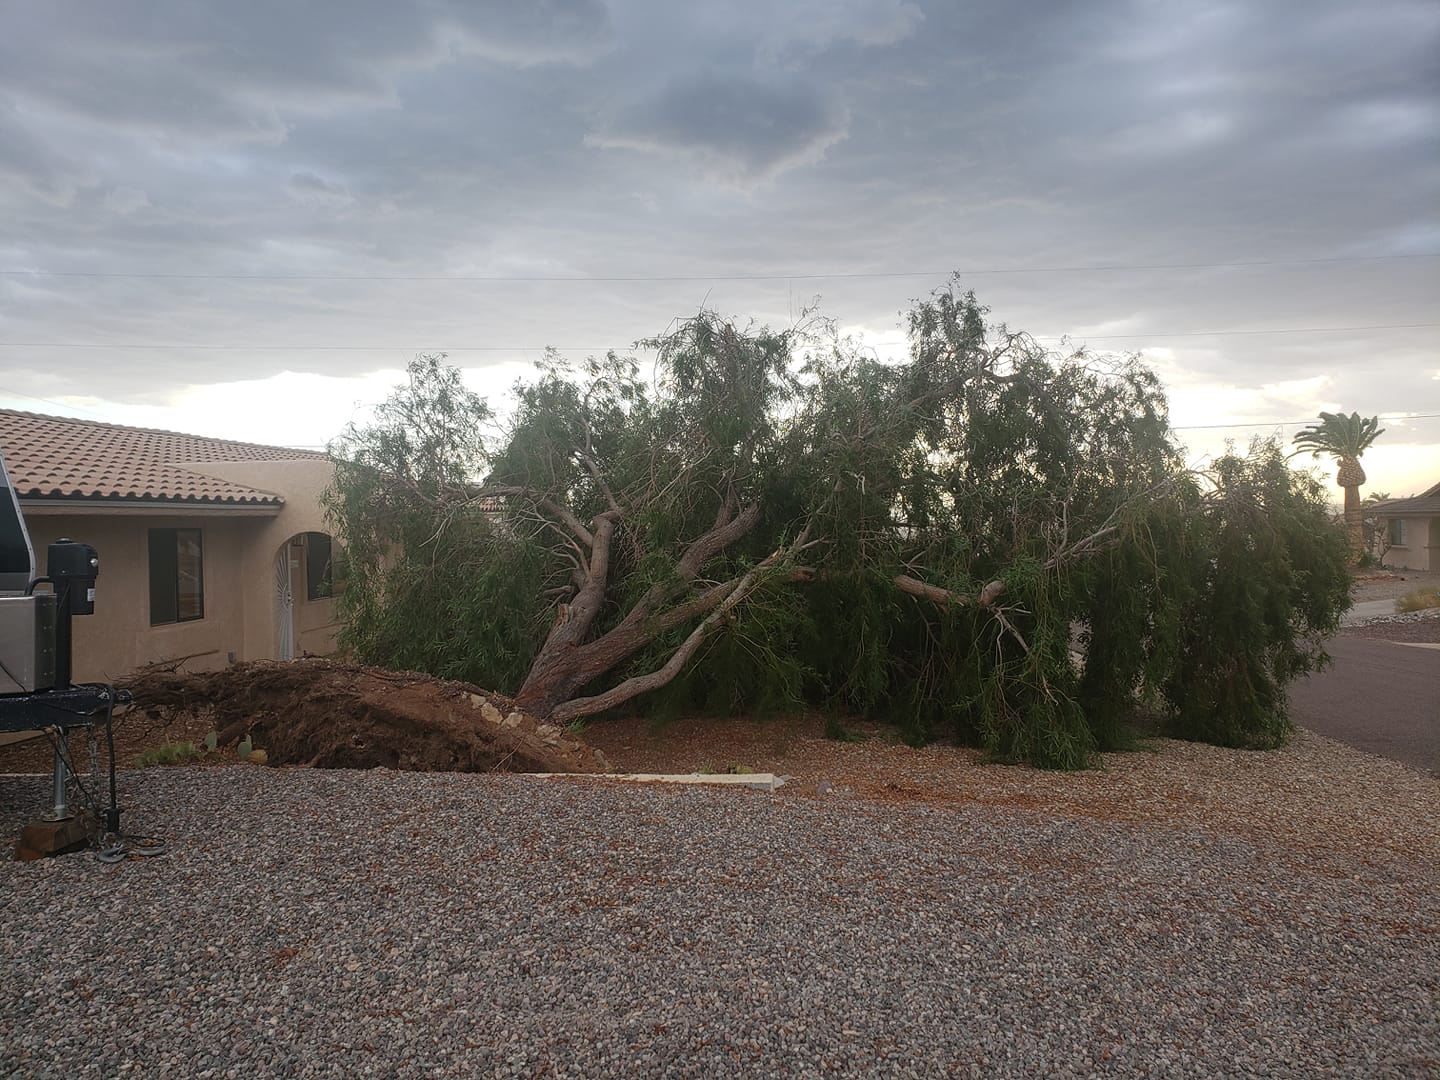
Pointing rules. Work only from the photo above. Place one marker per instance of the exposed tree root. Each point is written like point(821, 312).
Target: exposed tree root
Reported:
point(337, 715)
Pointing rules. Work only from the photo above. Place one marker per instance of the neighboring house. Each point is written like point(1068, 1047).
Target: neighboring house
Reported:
point(209, 549)
point(1413, 530)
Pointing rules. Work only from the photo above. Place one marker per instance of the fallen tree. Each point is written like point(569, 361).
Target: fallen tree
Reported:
point(777, 519)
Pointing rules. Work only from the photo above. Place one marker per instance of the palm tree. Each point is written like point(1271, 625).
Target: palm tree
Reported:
point(1345, 438)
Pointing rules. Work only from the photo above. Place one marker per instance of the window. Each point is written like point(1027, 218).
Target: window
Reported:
point(319, 568)
point(177, 576)
point(1397, 532)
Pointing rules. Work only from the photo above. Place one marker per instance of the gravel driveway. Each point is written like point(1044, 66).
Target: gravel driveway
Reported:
point(309, 923)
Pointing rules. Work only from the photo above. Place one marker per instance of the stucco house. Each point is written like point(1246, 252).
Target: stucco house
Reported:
point(1413, 530)
point(209, 549)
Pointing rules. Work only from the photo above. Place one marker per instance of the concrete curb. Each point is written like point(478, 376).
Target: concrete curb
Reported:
point(757, 781)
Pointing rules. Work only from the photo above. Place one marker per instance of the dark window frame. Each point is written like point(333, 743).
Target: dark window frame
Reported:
point(165, 576)
point(319, 586)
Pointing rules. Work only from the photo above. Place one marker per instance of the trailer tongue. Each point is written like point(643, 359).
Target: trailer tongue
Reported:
point(36, 691)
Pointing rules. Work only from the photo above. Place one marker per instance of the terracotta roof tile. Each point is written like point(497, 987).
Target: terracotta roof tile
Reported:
point(60, 457)
point(1421, 504)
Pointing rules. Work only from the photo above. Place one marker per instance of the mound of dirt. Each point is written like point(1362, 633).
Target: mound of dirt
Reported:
point(345, 716)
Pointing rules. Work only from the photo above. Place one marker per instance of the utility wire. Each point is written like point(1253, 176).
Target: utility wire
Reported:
point(1232, 333)
point(614, 278)
point(595, 348)
point(49, 401)
point(1292, 423)
point(1183, 427)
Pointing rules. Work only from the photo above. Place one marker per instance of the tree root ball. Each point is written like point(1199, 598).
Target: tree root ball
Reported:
point(335, 715)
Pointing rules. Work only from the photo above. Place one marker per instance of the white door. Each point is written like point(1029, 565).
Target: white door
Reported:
point(284, 608)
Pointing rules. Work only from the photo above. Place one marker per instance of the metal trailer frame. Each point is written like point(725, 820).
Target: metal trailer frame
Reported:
point(54, 706)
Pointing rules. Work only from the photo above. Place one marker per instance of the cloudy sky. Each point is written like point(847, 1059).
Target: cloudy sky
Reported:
point(243, 219)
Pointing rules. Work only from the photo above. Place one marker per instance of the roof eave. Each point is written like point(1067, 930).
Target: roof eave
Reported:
point(111, 506)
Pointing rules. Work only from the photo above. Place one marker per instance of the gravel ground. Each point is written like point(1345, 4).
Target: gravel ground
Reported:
point(309, 923)
point(1410, 626)
point(1386, 585)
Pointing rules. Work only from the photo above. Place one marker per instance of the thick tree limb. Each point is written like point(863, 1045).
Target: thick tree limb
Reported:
point(573, 620)
point(642, 684)
point(561, 512)
point(715, 541)
point(728, 505)
point(586, 456)
point(696, 606)
point(1108, 531)
point(567, 661)
point(945, 597)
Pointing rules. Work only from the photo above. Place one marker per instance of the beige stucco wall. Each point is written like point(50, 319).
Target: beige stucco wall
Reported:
point(1422, 549)
point(301, 483)
point(119, 638)
point(240, 550)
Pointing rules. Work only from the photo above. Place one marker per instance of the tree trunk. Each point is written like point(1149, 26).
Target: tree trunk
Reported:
point(559, 674)
point(1355, 522)
point(1350, 475)
point(567, 662)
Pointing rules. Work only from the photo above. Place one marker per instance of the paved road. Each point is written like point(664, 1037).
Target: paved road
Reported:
point(1378, 696)
point(1367, 609)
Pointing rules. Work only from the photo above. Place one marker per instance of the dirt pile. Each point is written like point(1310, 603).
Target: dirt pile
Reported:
point(336, 715)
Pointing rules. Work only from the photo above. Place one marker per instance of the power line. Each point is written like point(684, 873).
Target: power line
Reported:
point(619, 278)
point(157, 346)
point(1293, 423)
point(312, 348)
point(1230, 333)
point(1182, 427)
point(49, 401)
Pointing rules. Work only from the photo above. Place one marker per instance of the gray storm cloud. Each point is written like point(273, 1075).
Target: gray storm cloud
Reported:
point(234, 71)
point(420, 139)
point(736, 126)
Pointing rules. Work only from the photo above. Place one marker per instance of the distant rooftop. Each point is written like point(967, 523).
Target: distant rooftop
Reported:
point(58, 457)
point(1427, 502)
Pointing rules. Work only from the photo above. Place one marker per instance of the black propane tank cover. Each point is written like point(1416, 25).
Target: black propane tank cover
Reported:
point(76, 565)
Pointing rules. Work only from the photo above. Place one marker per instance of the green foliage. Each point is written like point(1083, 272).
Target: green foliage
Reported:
point(1266, 585)
point(749, 666)
point(1340, 435)
point(436, 578)
point(1346, 438)
point(1418, 600)
point(1062, 570)
point(836, 731)
point(171, 753)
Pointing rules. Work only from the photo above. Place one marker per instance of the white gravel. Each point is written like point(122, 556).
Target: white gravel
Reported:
point(309, 923)
point(1423, 615)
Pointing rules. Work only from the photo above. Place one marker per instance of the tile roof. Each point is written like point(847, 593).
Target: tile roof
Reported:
point(1421, 504)
point(1427, 502)
point(60, 457)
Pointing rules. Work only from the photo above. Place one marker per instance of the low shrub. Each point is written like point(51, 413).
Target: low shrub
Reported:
point(1418, 600)
point(173, 753)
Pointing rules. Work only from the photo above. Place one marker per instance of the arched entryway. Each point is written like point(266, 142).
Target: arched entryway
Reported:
point(304, 589)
